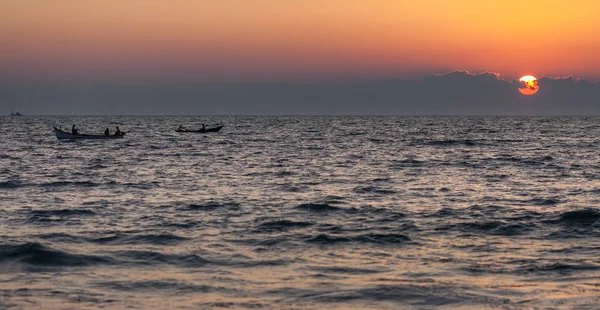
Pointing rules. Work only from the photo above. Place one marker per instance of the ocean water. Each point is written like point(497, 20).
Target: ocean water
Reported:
point(301, 213)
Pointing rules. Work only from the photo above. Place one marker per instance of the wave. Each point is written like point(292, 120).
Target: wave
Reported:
point(348, 270)
point(69, 183)
point(63, 237)
point(402, 296)
point(164, 285)
point(155, 239)
point(189, 260)
point(232, 305)
point(543, 202)
point(410, 162)
point(7, 156)
point(498, 228)
point(118, 239)
point(281, 225)
point(11, 184)
point(63, 212)
point(373, 190)
point(46, 216)
point(579, 217)
point(153, 258)
point(449, 142)
point(36, 254)
point(212, 205)
point(556, 268)
point(366, 238)
point(317, 207)
point(443, 213)
point(183, 225)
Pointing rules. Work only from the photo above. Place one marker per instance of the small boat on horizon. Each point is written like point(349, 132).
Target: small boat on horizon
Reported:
point(63, 135)
point(214, 129)
point(15, 113)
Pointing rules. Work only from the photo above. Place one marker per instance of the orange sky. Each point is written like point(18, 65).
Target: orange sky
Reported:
point(249, 39)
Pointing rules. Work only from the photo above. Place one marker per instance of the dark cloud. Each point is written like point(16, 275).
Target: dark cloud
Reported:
point(454, 93)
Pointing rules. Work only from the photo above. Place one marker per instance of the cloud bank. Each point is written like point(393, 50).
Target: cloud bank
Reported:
point(454, 93)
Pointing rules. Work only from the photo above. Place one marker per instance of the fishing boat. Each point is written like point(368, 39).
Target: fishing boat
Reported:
point(15, 113)
point(63, 135)
point(214, 129)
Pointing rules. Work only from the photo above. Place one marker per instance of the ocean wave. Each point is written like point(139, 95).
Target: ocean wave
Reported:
point(556, 267)
point(154, 258)
point(451, 142)
point(443, 213)
point(232, 305)
point(69, 183)
point(373, 190)
point(11, 184)
point(60, 215)
point(155, 239)
point(281, 225)
point(494, 227)
point(585, 217)
point(63, 212)
point(375, 238)
point(212, 205)
point(37, 254)
point(348, 270)
point(162, 286)
point(542, 202)
point(182, 225)
point(7, 156)
point(409, 162)
point(400, 295)
point(317, 207)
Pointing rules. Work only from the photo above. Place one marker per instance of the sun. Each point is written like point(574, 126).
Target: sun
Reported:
point(530, 85)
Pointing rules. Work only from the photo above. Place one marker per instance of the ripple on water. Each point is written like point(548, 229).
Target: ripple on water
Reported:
point(60, 215)
point(317, 207)
point(282, 225)
point(373, 238)
point(372, 212)
point(212, 206)
point(124, 239)
point(34, 254)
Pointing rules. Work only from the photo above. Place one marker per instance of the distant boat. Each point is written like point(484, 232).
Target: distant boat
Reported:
point(214, 129)
point(63, 135)
point(15, 114)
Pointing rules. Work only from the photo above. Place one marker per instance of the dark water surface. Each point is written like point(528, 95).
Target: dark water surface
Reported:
point(301, 212)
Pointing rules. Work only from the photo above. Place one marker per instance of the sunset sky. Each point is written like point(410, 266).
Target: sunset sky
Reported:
point(295, 39)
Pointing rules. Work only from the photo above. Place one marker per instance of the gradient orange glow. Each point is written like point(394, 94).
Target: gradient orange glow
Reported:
point(296, 38)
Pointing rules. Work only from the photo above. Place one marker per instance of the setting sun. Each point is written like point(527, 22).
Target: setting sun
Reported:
point(530, 85)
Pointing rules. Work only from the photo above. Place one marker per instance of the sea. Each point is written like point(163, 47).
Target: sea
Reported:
point(301, 212)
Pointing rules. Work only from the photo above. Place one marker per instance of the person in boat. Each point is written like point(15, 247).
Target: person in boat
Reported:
point(180, 127)
point(203, 129)
point(107, 132)
point(118, 132)
point(74, 130)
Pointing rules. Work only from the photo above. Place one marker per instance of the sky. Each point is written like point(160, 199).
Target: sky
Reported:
point(58, 45)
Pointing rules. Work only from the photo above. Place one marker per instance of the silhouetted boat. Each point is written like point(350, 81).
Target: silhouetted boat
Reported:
point(63, 135)
point(214, 129)
point(16, 114)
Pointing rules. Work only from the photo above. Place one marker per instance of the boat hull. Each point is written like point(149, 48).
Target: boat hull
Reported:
point(62, 135)
point(215, 129)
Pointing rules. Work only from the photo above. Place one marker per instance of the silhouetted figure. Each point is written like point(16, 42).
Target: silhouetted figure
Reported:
point(118, 132)
point(107, 132)
point(203, 129)
point(74, 130)
point(180, 127)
